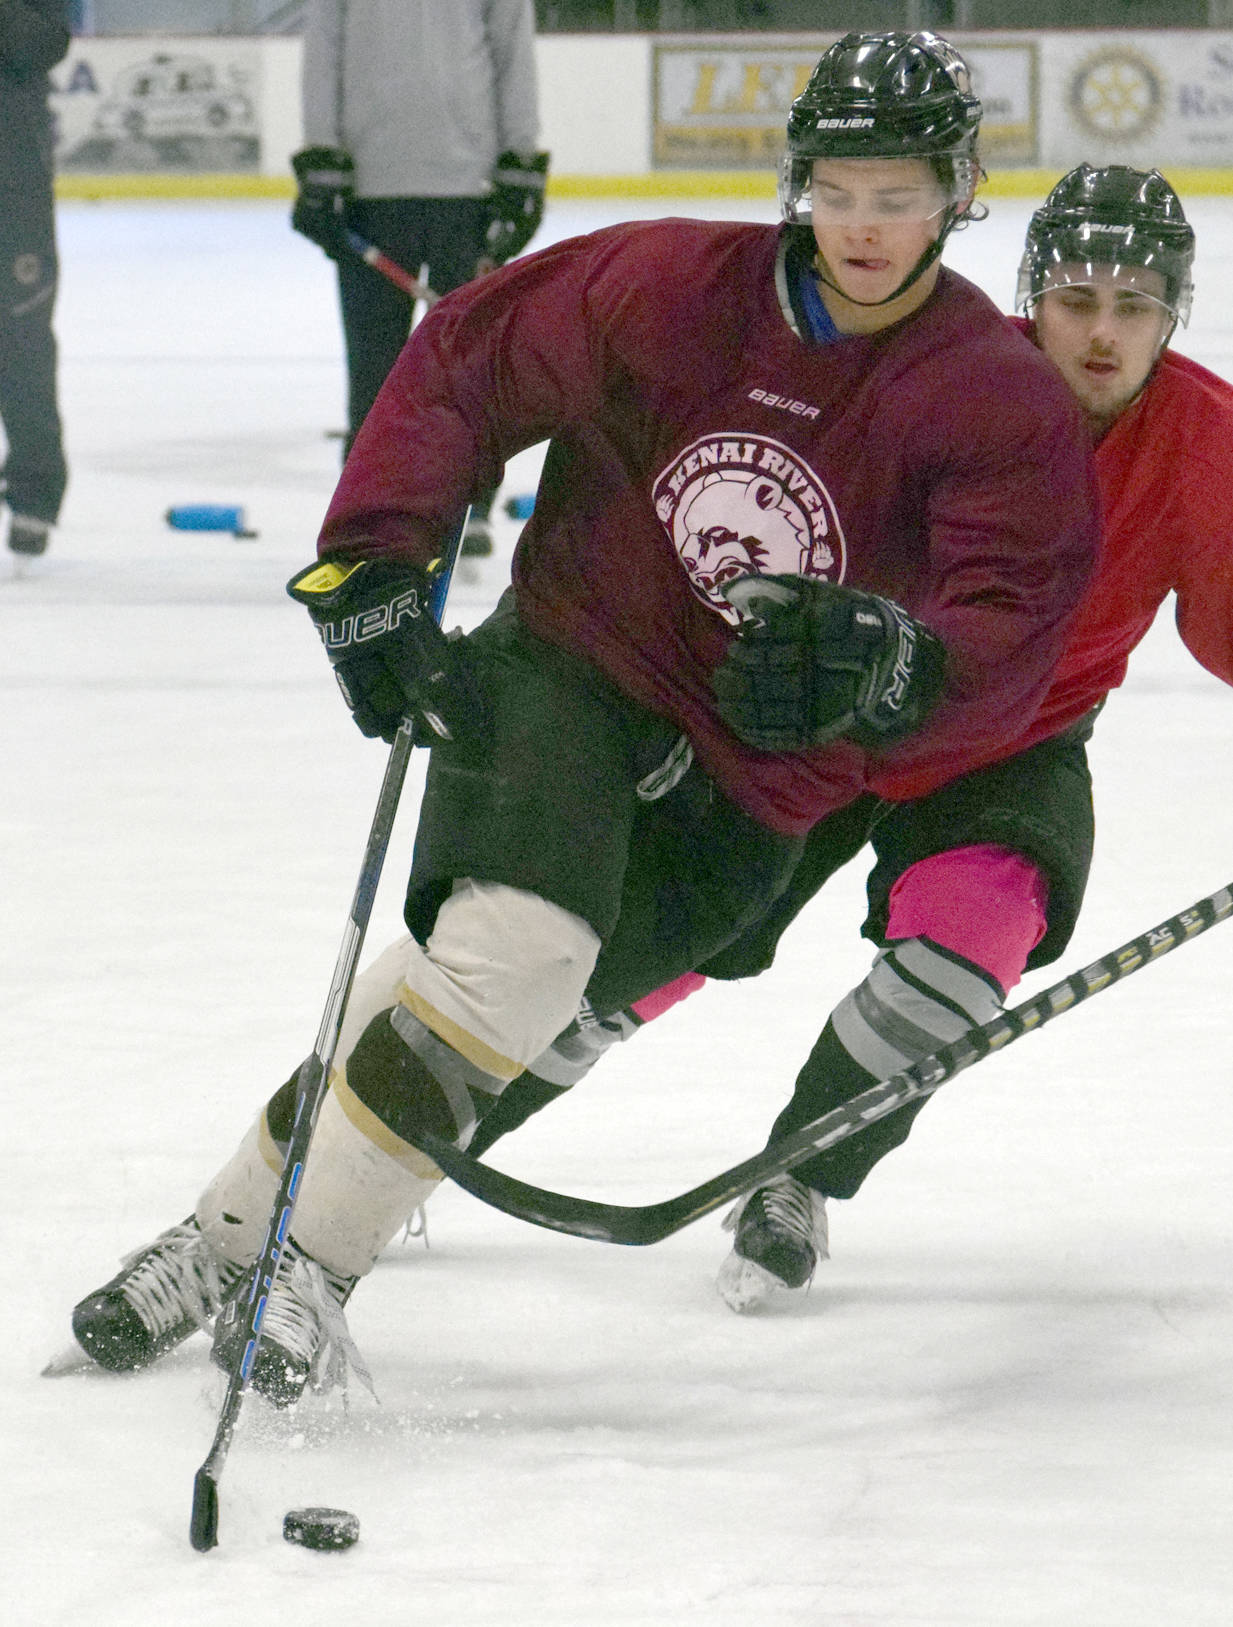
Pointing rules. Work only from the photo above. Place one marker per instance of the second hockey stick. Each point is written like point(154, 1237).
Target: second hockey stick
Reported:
point(651, 1223)
point(311, 1086)
point(390, 269)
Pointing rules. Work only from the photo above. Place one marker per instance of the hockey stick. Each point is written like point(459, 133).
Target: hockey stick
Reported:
point(311, 1086)
point(390, 269)
point(620, 1223)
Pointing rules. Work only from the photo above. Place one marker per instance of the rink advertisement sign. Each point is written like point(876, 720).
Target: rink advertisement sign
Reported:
point(158, 105)
point(1139, 98)
point(723, 105)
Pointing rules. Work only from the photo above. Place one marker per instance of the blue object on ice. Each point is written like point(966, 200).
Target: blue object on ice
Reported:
point(520, 508)
point(208, 517)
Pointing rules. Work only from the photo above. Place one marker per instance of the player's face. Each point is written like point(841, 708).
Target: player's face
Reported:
point(873, 218)
point(1103, 327)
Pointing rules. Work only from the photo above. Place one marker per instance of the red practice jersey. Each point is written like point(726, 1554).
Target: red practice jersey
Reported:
point(1168, 528)
point(696, 436)
point(1164, 472)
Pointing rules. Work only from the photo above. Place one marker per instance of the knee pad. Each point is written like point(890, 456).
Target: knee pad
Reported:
point(411, 1080)
point(988, 904)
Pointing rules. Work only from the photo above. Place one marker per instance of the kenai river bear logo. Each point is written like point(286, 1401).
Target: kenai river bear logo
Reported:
point(736, 505)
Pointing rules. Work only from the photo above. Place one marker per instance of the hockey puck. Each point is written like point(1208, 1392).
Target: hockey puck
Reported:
point(329, 1530)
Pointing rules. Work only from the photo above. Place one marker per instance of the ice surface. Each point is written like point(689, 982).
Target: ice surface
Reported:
point(1007, 1401)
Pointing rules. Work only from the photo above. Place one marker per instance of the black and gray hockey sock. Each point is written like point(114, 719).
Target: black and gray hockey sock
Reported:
point(916, 998)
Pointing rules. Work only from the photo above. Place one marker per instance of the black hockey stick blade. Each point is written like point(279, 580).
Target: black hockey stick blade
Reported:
point(633, 1227)
point(651, 1223)
point(203, 1525)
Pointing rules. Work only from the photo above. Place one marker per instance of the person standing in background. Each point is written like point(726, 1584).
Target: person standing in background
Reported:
point(420, 128)
point(34, 36)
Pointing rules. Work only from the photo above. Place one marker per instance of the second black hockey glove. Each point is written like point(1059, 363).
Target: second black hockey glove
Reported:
point(326, 180)
point(516, 206)
point(817, 661)
point(389, 656)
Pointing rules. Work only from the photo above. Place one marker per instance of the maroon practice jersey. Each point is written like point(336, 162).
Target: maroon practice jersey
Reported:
point(696, 435)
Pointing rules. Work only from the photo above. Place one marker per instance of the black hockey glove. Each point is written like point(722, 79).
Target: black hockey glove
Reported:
point(325, 177)
point(516, 206)
point(389, 656)
point(818, 661)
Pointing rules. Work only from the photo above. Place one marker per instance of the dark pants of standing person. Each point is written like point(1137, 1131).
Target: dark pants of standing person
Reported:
point(35, 472)
point(439, 240)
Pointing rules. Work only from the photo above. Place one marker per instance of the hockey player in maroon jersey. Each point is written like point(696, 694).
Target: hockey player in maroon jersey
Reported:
point(783, 557)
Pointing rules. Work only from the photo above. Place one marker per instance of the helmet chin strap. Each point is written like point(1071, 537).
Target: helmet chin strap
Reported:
point(918, 271)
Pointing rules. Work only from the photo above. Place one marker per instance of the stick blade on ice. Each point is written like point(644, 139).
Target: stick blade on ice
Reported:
point(203, 1525)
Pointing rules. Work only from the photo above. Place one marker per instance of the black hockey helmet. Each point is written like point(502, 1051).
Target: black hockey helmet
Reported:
point(1112, 216)
point(892, 95)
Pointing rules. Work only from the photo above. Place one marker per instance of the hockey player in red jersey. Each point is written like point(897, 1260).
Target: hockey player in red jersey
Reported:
point(985, 878)
point(783, 557)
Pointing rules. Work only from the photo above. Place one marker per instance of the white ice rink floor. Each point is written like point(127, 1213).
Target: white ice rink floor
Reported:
point(1008, 1400)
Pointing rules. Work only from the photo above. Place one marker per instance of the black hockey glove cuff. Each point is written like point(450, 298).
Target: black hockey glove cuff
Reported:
point(817, 661)
point(516, 206)
point(389, 656)
point(326, 180)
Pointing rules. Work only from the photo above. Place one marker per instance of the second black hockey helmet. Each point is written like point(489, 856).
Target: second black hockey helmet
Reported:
point(1114, 215)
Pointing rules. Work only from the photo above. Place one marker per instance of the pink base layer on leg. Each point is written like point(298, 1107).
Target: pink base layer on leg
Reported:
point(660, 1000)
point(985, 903)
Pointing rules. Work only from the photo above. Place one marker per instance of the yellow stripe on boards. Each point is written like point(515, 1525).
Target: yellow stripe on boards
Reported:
point(1002, 183)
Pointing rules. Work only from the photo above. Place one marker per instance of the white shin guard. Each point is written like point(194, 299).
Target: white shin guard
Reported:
point(234, 1210)
point(361, 1182)
point(503, 973)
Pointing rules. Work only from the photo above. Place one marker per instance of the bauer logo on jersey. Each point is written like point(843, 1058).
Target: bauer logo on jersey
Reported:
point(736, 505)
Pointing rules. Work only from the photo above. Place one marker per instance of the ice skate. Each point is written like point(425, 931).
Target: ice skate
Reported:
point(304, 1334)
point(780, 1235)
point(163, 1293)
point(28, 537)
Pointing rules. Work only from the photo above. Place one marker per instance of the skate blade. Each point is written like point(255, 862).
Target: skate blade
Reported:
point(72, 1359)
point(744, 1286)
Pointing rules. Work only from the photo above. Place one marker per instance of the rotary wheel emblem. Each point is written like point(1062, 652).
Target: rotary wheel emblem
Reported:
point(1116, 94)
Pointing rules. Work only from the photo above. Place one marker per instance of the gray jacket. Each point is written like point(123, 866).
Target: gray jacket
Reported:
point(424, 94)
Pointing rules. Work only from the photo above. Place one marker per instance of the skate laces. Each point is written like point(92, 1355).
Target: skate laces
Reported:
point(304, 1317)
point(179, 1274)
point(416, 1226)
point(790, 1207)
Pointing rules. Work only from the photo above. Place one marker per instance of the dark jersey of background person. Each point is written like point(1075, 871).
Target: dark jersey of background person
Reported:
point(34, 36)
